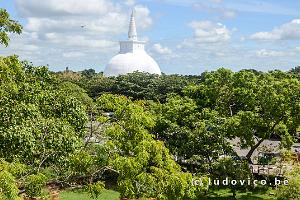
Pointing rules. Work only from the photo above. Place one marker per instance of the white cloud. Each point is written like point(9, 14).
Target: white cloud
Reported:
point(130, 2)
point(97, 16)
point(216, 1)
point(56, 28)
point(158, 48)
point(209, 32)
point(36, 8)
point(79, 41)
point(102, 25)
point(142, 16)
point(91, 19)
point(228, 14)
point(222, 12)
point(288, 31)
point(265, 7)
point(264, 53)
point(73, 54)
point(23, 45)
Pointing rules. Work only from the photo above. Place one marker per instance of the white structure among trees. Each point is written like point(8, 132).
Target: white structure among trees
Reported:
point(132, 56)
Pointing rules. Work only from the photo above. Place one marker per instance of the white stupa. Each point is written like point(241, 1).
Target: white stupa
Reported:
point(132, 56)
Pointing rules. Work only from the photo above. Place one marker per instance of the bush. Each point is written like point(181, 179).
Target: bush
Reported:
point(292, 190)
point(96, 189)
point(34, 185)
point(8, 186)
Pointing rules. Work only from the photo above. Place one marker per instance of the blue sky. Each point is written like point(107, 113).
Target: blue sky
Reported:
point(185, 37)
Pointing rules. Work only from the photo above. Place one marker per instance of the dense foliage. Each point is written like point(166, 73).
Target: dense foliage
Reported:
point(39, 122)
point(10, 175)
point(136, 85)
point(150, 135)
point(145, 166)
point(257, 106)
point(290, 191)
point(195, 136)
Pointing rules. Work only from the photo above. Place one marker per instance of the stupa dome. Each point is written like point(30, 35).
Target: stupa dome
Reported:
point(132, 56)
point(130, 62)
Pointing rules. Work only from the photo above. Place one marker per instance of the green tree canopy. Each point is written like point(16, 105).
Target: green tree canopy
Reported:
point(39, 122)
point(137, 85)
point(7, 25)
point(256, 106)
point(145, 166)
point(196, 137)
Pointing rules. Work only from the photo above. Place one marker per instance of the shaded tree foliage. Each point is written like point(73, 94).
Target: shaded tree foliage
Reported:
point(88, 73)
point(137, 85)
point(295, 70)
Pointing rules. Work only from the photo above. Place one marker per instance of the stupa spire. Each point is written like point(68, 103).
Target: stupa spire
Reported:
point(132, 34)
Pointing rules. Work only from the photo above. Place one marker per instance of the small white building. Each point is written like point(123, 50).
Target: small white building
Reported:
point(132, 56)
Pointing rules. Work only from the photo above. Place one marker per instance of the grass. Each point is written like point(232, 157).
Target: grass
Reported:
point(79, 195)
point(222, 194)
point(225, 194)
